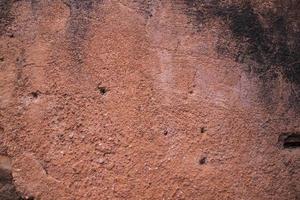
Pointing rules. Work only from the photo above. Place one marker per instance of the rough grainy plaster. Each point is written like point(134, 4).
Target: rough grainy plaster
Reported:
point(148, 99)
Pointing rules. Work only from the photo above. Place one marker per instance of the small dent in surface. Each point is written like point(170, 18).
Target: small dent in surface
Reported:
point(11, 35)
point(102, 90)
point(166, 132)
point(203, 160)
point(35, 94)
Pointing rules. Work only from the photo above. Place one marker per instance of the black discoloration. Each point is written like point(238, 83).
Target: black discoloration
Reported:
point(5, 14)
point(268, 42)
point(7, 188)
point(201, 11)
point(268, 46)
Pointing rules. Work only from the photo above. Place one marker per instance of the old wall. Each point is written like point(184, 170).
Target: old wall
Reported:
point(149, 99)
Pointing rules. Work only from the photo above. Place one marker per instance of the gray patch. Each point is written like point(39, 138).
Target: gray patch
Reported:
point(5, 15)
point(78, 27)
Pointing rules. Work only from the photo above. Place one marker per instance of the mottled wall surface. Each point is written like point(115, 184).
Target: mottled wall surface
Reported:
point(149, 99)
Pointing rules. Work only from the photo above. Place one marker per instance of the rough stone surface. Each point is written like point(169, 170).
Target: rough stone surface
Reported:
point(150, 99)
point(7, 187)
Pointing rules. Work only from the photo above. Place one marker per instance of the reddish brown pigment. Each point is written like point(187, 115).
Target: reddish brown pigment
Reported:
point(141, 99)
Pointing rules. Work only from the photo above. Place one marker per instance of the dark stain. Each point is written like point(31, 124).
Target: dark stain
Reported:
point(270, 38)
point(5, 15)
point(21, 80)
point(268, 46)
point(200, 11)
point(34, 7)
point(7, 188)
point(78, 27)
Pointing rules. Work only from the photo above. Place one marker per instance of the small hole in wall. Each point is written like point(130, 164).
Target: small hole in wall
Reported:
point(1, 59)
point(289, 140)
point(203, 129)
point(166, 132)
point(202, 160)
point(35, 94)
point(102, 90)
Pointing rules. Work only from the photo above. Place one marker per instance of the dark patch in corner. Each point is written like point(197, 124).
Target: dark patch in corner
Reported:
point(102, 90)
point(5, 15)
point(8, 189)
point(266, 48)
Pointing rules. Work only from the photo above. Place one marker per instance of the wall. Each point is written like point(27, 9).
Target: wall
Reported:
point(148, 99)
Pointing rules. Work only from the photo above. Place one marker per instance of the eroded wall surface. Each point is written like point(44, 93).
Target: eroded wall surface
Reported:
point(149, 99)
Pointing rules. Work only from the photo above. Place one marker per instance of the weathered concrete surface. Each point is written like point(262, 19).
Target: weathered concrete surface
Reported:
point(141, 99)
